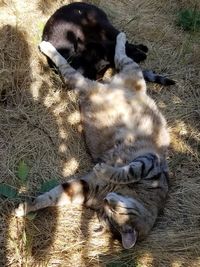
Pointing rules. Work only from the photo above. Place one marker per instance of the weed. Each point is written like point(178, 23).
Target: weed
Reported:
point(189, 19)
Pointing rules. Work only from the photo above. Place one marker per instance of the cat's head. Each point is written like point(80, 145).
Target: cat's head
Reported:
point(127, 217)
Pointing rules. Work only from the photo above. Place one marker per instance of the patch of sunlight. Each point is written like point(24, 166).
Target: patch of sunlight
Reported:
point(179, 131)
point(35, 89)
point(16, 239)
point(177, 263)
point(66, 235)
point(20, 5)
point(52, 99)
point(181, 127)
point(100, 242)
point(63, 133)
point(5, 16)
point(62, 148)
point(61, 107)
point(40, 26)
point(146, 259)
point(36, 38)
point(70, 167)
point(74, 118)
point(162, 105)
point(176, 100)
point(179, 145)
point(22, 190)
point(71, 236)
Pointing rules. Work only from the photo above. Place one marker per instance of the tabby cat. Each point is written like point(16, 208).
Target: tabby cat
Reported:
point(84, 36)
point(128, 137)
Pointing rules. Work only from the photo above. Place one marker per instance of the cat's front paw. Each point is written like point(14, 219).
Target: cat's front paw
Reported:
point(21, 210)
point(103, 170)
point(100, 168)
point(47, 48)
point(121, 37)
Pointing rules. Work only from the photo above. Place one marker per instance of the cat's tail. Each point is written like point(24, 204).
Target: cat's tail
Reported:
point(151, 76)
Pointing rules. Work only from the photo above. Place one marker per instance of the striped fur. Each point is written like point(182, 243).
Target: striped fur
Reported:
point(143, 167)
point(127, 133)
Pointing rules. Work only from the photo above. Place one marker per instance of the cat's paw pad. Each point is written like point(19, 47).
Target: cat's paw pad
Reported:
point(121, 37)
point(21, 210)
point(47, 48)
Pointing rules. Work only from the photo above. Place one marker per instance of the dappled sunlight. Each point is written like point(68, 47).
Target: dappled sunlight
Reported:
point(53, 98)
point(179, 145)
point(177, 263)
point(176, 100)
point(70, 167)
point(63, 135)
point(17, 233)
point(146, 259)
point(74, 118)
point(162, 105)
point(48, 6)
point(180, 134)
point(40, 123)
point(35, 91)
point(62, 148)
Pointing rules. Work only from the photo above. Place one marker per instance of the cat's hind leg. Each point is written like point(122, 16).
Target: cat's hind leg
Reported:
point(74, 191)
point(122, 61)
point(130, 74)
point(126, 64)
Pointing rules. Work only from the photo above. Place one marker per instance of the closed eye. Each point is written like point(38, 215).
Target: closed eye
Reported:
point(130, 211)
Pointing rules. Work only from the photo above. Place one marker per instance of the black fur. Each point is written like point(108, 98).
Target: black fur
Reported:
point(83, 34)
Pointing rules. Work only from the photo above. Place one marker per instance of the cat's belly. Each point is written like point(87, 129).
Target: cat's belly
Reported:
point(113, 117)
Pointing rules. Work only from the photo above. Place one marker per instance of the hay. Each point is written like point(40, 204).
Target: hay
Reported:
point(40, 124)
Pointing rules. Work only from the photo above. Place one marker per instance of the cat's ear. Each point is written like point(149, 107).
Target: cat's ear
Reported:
point(129, 238)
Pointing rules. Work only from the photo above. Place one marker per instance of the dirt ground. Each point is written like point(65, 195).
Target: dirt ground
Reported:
point(40, 122)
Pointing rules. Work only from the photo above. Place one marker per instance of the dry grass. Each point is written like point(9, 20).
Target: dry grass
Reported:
point(39, 122)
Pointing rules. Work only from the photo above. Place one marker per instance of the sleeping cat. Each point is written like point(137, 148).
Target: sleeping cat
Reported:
point(84, 36)
point(126, 133)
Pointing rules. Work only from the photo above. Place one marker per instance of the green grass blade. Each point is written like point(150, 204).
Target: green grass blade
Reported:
point(189, 19)
point(22, 172)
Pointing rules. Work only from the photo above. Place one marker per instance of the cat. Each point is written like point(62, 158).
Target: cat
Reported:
point(84, 36)
point(128, 137)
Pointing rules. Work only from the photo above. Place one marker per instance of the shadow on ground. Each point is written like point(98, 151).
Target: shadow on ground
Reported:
point(174, 240)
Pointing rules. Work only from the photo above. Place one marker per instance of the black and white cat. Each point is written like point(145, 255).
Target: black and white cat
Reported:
point(84, 36)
